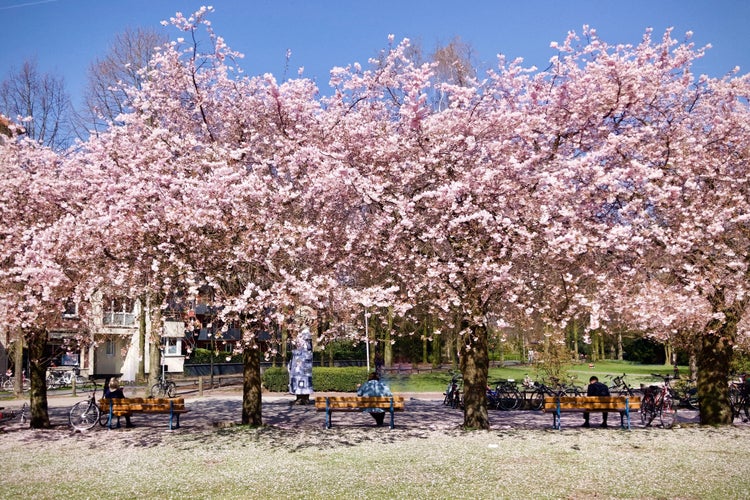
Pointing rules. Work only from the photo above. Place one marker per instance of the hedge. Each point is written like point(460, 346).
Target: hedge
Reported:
point(325, 379)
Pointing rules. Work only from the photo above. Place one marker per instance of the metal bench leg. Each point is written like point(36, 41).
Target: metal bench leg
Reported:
point(392, 414)
point(328, 413)
point(627, 411)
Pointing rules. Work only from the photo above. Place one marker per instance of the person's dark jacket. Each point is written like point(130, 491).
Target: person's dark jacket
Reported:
point(597, 389)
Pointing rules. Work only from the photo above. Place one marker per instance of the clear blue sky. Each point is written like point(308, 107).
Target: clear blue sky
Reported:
point(65, 36)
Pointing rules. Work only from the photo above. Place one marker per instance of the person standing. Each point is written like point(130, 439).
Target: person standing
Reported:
point(596, 388)
point(300, 368)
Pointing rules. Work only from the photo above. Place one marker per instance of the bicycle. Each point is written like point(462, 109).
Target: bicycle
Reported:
point(57, 379)
point(6, 416)
point(506, 395)
point(658, 401)
point(619, 387)
point(163, 388)
point(85, 414)
point(541, 390)
point(686, 393)
point(739, 398)
point(453, 392)
point(9, 383)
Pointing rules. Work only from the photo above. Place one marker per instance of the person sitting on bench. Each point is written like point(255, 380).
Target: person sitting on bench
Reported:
point(596, 388)
point(114, 391)
point(374, 387)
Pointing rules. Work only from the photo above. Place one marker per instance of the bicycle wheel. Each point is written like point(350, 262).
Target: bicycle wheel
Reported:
point(157, 391)
point(8, 385)
point(536, 401)
point(456, 400)
point(103, 416)
point(171, 390)
point(667, 414)
point(508, 399)
point(647, 412)
point(84, 415)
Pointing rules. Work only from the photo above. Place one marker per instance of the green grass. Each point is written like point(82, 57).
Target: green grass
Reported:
point(437, 381)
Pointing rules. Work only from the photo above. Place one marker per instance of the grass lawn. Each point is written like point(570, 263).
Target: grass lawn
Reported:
point(636, 374)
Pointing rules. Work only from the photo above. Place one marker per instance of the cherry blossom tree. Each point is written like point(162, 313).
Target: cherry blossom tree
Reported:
point(651, 161)
point(35, 275)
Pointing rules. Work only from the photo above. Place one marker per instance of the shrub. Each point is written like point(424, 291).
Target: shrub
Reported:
point(324, 379)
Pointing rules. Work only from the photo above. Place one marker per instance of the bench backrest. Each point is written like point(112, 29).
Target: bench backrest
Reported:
point(354, 402)
point(142, 404)
point(601, 403)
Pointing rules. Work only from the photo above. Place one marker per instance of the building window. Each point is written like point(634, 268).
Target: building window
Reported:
point(119, 312)
point(70, 309)
point(109, 348)
point(172, 346)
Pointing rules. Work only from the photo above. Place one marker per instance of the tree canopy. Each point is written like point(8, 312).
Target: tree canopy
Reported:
point(612, 186)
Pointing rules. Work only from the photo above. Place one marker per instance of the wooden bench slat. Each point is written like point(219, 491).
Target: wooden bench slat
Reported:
point(621, 404)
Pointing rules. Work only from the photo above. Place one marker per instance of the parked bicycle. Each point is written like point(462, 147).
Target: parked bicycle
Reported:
point(541, 390)
point(657, 401)
point(505, 396)
point(57, 379)
point(739, 398)
point(163, 388)
point(453, 392)
point(8, 415)
point(685, 393)
point(8, 382)
point(85, 414)
point(619, 387)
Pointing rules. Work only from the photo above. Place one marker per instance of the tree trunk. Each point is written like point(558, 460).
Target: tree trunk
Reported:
point(713, 361)
point(18, 363)
point(154, 351)
point(594, 347)
point(251, 387)
point(475, 364)
point(619, 346)
point(667, 354)
point(387, 347)
point(37, 341)
point(141, 375)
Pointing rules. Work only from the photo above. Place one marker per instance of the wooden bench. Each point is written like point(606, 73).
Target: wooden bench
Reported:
point(173, 407)
point(592, 404)
point(330, 404)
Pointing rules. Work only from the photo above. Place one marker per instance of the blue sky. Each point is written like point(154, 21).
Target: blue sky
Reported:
point(65, 36)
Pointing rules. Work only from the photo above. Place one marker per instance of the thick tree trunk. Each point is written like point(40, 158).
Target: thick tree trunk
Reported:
point(475, 364)
point(713, 360)
point(714, 357)
point(251, 387)
point(37, 341)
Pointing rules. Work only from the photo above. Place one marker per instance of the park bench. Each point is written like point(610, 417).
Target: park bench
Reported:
point(592, 404)
point(116, 407)
point(330, 404)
